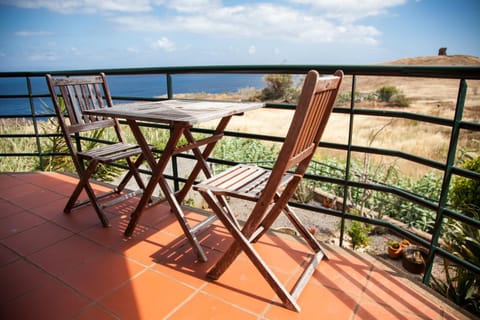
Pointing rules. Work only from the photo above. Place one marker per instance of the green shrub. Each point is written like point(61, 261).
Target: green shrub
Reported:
point(244, 150)
point(386, 93)
point(462, 240)
point(465, 192)
point(414, 215)
point(460, 285)
point(344, 97)
point(400, 100)
point(358, 233)
point(383, 203)
point(278, 86)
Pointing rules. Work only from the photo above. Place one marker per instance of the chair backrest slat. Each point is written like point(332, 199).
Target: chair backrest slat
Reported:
point(309, 121)
point(80, 94)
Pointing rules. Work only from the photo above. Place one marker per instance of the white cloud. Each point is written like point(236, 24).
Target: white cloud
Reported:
point(263, 20)
point(84, 6)
point(165, 44)
point(192, 5)
point(350, 10)
point(252, 50)
point(344, 10)
point(313, 21)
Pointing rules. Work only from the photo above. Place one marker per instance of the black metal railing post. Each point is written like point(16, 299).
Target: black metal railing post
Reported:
point(169, 86)
point(349, 157)
point(35, 124)
point(447, 176)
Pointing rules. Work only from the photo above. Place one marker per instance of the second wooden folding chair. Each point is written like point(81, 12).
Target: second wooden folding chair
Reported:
point(85, 93)
point(272, 189)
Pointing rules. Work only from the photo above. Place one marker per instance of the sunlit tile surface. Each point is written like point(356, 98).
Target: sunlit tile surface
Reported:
point(59, 266)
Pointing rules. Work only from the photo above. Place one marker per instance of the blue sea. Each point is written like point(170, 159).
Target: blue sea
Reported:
point(126, 86)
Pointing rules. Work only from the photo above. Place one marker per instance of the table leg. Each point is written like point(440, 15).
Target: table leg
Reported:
point(202, 162)
point(156, 173)
point(158, 169)
point(201, 158)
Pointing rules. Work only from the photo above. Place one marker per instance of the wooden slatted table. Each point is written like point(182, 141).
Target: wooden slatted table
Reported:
point(181, 115)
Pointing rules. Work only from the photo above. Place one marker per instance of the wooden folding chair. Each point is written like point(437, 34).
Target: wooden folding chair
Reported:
point(85, 93)
point(272, 189)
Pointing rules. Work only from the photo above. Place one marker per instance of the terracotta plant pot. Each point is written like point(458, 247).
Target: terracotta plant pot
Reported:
point(414, 259)
point(395, 252)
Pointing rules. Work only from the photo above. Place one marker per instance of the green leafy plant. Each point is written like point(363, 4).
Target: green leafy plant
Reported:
point(17, 145)
point(393, 243)
point(459, 284)
point(400, 100)
point(393, 96)
point(344, 97)
point(244, 150)
point(465, 192)
point(305, 191)
point(386, 93)
point(377, 203)
point(278, 86)
point(64, 163)
point(56, 144)
point(359, 234)
point(414, 215)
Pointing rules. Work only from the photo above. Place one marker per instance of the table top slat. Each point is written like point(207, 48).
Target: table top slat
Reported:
point(188, 112)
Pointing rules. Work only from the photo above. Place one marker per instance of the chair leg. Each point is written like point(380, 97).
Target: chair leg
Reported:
point(133, 172)
point(273, 215)
point(84, 184)
point(84, 176)
point(243, 244)
point(314, 244)
point(93, 199)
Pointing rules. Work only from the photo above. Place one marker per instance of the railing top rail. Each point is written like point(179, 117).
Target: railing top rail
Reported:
point(453, 72)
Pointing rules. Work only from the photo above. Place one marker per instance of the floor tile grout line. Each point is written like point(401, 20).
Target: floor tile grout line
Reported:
point(50, 274)
point(185, 301)
point(360, 296)
point(96, 304)
point(292, 277)
point(92, 301)
point(230, 303)
point(25, 257)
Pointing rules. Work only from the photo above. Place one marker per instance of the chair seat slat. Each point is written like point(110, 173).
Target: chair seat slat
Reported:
point(111, 152)
point(248, 175)
point(246, 181)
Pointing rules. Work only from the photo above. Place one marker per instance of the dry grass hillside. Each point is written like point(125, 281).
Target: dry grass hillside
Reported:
point(453, 60)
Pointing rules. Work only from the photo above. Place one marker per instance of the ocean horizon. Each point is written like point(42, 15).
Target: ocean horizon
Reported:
point(142, 86)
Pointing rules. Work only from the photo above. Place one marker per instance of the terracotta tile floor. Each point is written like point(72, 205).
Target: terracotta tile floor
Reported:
point(58, 266)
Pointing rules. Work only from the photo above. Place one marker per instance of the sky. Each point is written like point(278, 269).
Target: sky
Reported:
point(38, 35)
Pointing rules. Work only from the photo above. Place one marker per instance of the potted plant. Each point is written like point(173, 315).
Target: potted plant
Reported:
point(395, 249)
point(414, 258)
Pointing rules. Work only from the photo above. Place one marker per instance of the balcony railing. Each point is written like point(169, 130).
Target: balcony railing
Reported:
point(33, 93)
